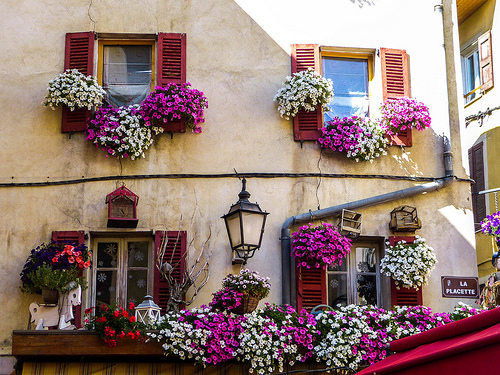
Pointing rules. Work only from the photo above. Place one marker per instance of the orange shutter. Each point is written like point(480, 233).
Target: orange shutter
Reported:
point(311, 288)
point(79, 55)
point(485, 61)
point(306, 125)
point(77, 237)
point(396, 83)
point(404, 296)
point(171, 58)
point(176, 245)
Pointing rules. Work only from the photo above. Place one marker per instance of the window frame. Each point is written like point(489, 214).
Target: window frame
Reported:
point(354, 54)
point(473, 93)
point(124, 41)
point(122, 266)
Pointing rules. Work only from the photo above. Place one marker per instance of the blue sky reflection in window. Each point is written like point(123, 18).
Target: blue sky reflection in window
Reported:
point(350, 86)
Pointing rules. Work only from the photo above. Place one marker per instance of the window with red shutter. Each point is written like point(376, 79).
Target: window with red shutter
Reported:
point(175, 255)
point(404, 296)
point(395, 84)
point(79, 54)
point(356, 281)
point(76, 237)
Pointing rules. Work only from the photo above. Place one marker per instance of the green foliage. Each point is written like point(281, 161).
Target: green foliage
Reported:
point(46, 277)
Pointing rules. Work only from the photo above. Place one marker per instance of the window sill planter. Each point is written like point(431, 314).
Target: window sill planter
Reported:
point(177, 126)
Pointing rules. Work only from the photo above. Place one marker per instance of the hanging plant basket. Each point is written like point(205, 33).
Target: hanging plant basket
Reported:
point(248, 304)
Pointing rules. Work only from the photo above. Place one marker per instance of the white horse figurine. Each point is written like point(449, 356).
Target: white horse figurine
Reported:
point(59, 315)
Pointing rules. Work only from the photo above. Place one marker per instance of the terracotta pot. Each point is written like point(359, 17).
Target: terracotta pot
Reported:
point(50, 296)
point(248, 304)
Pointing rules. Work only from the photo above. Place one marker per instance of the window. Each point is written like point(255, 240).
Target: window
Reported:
point(350, 85)
point(351, 70)
point(357, 280)
point(126, 71)
point(122, 270)
point(471, 77)
point(128, 66)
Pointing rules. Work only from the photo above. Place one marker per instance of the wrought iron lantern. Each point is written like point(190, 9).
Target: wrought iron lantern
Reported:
point(404, 219)
point(147, 311)
point(245, 224)
point(122, 208)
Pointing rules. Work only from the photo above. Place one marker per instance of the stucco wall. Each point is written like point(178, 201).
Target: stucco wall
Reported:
point(239, 64)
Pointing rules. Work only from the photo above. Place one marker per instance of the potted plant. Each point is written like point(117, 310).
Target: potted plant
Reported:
point(115, 322)
point(173, 103)
point(75, 90)
point(121, 132)
point(490, 225)
point(409, 264)
point(304, 90)
point(241, 293)
point(360, 138)
point(53, 266)
point(404, 113)
point(319, 246)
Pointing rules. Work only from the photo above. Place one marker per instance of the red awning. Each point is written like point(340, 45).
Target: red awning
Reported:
point(468, 346)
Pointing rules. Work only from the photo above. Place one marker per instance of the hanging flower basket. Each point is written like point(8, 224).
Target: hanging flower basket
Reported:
point(304, 90)
point(404, 113)
point(175, 103)
point(409, 264)
point(490, 225)
point(319, 246)
point(121, 132)
point(360, 138)
point(75, 90)
point(247, 305)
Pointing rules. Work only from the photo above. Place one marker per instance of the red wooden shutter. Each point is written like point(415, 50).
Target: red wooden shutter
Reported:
point(396, 83)
point(485, 61)
point(311, 288)
point(306, 125)
point(171, 58)
point(79, 55)
point(76, 237)
point(476, 167)
point(177, 245)
point(404, 296)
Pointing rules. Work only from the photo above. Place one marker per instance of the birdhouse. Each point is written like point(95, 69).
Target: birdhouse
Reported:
point(404, 219)
point(122, 208)
point(350, 223)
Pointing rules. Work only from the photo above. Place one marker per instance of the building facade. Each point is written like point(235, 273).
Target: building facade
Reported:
point(54, 182)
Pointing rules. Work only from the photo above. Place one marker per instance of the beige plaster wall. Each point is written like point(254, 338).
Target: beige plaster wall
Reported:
point(239, 64)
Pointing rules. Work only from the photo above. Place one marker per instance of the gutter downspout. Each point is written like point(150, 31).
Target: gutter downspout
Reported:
point(288, 264)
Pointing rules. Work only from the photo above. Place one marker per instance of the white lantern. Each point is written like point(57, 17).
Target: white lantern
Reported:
point(147, 312)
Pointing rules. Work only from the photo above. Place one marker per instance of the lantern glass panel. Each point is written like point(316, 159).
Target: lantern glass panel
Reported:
point(234, 229)
point(252, 227)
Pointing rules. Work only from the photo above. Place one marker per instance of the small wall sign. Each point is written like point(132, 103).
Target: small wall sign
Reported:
point(460, 287)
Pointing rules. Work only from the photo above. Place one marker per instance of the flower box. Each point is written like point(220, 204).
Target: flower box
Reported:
point(174, 126)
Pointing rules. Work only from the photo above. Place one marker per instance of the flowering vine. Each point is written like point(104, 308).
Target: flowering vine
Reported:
point(319, 246)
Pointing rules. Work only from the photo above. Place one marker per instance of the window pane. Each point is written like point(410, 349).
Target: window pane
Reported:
point(367, 290)
point(471, 77)
point(127, 74)
point(366, 259)
point(350, 87)
point(105, 287)
point(137, 285)
point(138, 254)
point(107, 253)
point(342, 267)
point(337, 289)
